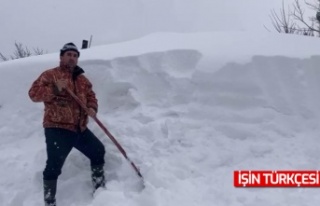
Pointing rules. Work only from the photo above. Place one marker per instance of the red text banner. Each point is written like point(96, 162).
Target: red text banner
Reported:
point(274, 178)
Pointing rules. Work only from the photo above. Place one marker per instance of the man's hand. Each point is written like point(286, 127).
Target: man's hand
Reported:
point(91, 112)
point(61, 84)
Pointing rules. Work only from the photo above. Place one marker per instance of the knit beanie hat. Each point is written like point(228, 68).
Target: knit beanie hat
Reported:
point(69, 47)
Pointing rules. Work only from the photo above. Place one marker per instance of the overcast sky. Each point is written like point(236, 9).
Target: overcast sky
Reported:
point(38, 23)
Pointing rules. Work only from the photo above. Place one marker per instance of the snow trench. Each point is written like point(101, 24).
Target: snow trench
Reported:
point(186, 128)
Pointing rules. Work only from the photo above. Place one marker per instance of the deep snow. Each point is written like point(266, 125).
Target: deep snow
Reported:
point(189, 109)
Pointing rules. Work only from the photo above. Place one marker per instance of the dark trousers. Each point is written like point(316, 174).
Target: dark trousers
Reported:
point(59, 144)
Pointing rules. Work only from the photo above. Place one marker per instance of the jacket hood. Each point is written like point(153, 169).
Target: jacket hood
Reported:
point(76, 72)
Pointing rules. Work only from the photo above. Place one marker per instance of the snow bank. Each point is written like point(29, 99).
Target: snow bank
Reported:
point(187, 127)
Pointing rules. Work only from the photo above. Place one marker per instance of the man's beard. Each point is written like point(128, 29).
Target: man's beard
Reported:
point(70, 64)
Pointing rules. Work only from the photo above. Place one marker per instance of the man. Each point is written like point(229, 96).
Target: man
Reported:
point(65, 122)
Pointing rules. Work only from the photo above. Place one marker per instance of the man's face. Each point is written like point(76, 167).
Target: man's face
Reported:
point(69, 59)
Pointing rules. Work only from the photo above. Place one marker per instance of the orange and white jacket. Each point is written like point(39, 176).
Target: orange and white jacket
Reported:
point(60, 109)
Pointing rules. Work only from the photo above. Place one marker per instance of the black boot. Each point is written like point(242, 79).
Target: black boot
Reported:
point(98, 179)
point(50, 188)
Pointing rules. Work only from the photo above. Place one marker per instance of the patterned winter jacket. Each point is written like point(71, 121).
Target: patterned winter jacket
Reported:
point(61, 110)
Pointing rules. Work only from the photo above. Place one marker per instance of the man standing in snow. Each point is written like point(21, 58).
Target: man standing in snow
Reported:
point(65, 122)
